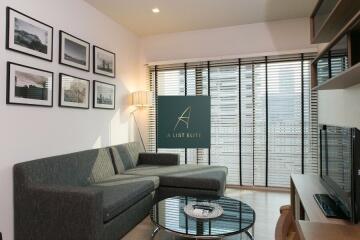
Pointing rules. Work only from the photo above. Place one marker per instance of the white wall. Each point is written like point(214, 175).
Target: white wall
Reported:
point(32, 132)
point(227, 42)
point(340, 107)
point(257, 39)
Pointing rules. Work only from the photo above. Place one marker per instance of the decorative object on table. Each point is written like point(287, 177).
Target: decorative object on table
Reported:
point(203, 210)
point(74, 52)
point(104, 62)
point(29, 86)
point(140, 99)
point(74, 92)
point(28, 35)
point(184, 122)
point(104, 95)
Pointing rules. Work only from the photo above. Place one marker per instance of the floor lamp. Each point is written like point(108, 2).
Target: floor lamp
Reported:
point(141, 100)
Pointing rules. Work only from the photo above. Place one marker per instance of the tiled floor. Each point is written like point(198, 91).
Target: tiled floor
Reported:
point(265, 203)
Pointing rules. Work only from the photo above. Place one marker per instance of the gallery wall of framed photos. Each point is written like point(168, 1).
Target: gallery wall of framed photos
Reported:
point(29, 85)
point(46, 129)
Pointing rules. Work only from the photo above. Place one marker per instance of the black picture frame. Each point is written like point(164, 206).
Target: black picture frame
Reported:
point(95, 95)
point(63, 61)
point(99, 72)
point(8, 86)
point(61, 104)
point(13, 47)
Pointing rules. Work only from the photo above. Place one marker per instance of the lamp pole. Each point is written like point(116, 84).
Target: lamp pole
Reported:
point(138, 129)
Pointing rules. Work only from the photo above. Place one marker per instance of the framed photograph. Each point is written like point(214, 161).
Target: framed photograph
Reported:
point(74, 52)
point(74, 92)
point(104, 62)
point(28, 35)
point(104, 95)
point(29, 86)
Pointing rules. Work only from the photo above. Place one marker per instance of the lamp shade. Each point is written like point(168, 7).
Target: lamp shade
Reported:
point(141, 99)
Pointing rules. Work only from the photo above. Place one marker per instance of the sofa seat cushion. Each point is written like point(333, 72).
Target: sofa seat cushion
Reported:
point(132, 179)
point(186, 176)
point(118, 196)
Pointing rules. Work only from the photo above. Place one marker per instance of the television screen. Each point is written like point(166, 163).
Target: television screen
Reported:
point(336, 163)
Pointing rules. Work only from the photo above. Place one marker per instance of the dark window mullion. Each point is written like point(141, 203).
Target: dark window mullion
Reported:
point(209, 85)
point(267, 123)
point(302, 116)
point(185, 83)
point(156, 107)
point(240, 169)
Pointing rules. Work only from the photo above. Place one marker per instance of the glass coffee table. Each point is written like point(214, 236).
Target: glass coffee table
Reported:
point(169, 215)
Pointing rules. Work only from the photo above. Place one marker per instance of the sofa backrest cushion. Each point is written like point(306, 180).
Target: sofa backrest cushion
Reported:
point(103, 167)
point(126, 155)
point(75, 169)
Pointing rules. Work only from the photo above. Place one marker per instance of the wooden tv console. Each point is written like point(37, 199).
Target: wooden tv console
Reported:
point(311, 223)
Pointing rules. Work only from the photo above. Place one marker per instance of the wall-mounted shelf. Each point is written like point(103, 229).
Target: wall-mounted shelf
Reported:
point(346, 79)
point(339, 60)
point(329, 17)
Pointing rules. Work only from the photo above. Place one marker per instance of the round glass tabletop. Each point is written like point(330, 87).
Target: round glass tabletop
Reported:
point(169, 215)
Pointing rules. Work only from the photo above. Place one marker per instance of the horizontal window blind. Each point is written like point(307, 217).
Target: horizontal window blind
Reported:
point(263, 115)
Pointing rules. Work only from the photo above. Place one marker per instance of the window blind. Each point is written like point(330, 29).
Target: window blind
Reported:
point(263, 115)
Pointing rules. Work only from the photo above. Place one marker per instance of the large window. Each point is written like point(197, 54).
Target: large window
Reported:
point(263, 115)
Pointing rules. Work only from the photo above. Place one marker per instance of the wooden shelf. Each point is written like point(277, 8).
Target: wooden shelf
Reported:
point(337, 18)
point(304, 207)
point(315, 231)
point(346, 79)
point(306, 186)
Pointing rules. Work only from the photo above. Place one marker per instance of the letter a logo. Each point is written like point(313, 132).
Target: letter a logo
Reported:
point(184, 118)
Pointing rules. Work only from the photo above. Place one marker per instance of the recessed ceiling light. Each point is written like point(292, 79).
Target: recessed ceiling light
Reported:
point(155, 10)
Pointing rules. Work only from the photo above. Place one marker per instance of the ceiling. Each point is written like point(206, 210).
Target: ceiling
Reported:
point(187, 15)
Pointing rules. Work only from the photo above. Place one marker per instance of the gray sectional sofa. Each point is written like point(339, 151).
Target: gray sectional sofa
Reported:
point(102, 193)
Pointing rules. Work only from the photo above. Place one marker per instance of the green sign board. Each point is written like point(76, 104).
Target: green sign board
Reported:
point(183, 122)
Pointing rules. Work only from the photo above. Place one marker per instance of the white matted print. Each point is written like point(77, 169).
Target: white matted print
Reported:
point(74, 92)
point(29, 86)
point(104, 62)
point(104, 95)
point(74, 52)
point(28, 35)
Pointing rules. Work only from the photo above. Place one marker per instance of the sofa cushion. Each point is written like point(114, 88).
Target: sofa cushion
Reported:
point(186, 176)
point(118, 196)
point(126, 155)
point(74, 169)
point(103, 167)
point(132, 178)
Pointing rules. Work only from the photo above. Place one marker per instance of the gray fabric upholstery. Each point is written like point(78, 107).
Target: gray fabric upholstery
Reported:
point(103, 167)
point(122, 158)
point(75, 169)
point(159, 159)
point(45, 212)
point(101, 194)
point(123, 223)
point(165, 192)
point(119, 196)
point(187, 176)
point(123, 179)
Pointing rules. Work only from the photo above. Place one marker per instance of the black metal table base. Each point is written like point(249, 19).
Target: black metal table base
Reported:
point(157, 229)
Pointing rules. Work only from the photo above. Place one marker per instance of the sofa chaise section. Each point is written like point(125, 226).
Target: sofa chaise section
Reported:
point(175, 179)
